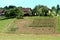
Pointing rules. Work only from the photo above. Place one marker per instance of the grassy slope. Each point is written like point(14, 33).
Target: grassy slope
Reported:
point(58, 24)
point(27, 37)
point(4, 23)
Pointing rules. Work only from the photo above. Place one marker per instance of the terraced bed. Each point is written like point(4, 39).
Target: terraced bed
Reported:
point(36, 25)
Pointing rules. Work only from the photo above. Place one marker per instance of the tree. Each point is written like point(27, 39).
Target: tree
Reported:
point(30, 12)
point(11, 6)
point(1, 8)
point(41, 10)
point(58, 8)
point(52, 14)
point(5, 7)
point(37, 10)
point(45, 10)
point(15, 12)
point(10, 13)
point(54, 10)
point(19, 7)
point(20, 13)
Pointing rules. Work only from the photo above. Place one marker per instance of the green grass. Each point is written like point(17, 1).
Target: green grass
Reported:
point(13, 27)
point(2, 17)
point(37, 17)
point(29, 37)
point(4, 23)
point(58, 24)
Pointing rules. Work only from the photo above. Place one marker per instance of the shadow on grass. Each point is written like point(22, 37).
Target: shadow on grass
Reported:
point(5, 18)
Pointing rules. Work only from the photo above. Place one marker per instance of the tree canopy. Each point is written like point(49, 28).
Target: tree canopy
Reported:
point(41, 10)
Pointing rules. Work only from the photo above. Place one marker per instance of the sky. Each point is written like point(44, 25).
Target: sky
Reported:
point(29, 3)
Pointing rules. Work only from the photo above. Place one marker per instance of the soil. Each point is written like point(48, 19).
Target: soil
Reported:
point(23, 28)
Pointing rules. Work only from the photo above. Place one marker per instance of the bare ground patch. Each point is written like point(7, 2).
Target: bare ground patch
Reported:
point(23, 28)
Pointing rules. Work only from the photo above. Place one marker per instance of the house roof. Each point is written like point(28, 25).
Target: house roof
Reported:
point(2, 11)
point(26, 10)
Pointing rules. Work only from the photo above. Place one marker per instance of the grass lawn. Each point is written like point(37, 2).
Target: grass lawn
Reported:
point(4, 23)
point(28, 37)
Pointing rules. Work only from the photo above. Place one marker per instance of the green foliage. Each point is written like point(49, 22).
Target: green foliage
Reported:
point(7, 14)
point(59, 12)
point(52, 14)
point(9, 7)
point(58, 8)
point(10, 13)
point(30, 12)
point(14, 12)
point(19, 13)
point(41, 10)
point(54, 8)
point(1, 8)
point(37, 10)
point(2, 17)
point(45, 10)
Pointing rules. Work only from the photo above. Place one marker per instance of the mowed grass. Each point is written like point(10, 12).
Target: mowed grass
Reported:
point(4, 23)
point(28, 37)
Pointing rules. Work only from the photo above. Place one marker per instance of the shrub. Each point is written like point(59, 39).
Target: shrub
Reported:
point(14, 12)
point(20, 14)
point(10, 13)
